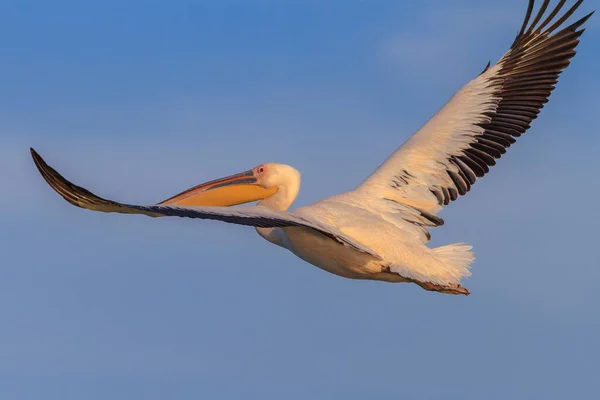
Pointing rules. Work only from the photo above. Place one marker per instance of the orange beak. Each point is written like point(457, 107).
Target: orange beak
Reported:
point(232, 190)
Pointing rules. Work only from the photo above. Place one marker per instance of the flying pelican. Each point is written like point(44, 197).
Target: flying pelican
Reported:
point(379, 231)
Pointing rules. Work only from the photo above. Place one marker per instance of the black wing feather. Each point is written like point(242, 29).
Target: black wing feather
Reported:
point(527, 76)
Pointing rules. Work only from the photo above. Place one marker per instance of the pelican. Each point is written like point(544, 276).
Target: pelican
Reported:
point(380, 230)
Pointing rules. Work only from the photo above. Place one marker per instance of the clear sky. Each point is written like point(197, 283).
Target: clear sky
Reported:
point(140, 100)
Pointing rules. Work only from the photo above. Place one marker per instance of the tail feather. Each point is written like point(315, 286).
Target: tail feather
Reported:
point(456, 260)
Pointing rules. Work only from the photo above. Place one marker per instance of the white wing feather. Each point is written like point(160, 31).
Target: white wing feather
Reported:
point(458, 144)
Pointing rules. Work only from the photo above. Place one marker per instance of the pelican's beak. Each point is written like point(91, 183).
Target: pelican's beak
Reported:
point(232, 190)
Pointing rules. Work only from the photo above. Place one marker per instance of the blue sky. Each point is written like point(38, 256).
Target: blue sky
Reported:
point(139, 100)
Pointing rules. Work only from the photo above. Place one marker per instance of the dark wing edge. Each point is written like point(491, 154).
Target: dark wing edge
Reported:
point(83, 198)
point(527, 76)
point(79, 196)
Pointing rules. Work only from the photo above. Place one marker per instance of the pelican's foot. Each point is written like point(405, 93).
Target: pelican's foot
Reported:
point(446, 289)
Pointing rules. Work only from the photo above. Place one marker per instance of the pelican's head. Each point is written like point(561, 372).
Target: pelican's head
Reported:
point(277, 185)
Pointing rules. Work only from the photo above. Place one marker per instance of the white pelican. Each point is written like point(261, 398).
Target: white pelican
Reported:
point(379, 231)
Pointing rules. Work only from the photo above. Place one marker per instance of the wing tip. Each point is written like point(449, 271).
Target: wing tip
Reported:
point(527, 18)
point(585, 18)
point(56, 181)
point(37, 159)
point(44, 169)
point(72, 193)
point(486, 67)
point(542, 29)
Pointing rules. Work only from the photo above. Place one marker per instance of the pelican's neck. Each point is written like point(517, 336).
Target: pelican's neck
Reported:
point(283, 198)
point(281, 201)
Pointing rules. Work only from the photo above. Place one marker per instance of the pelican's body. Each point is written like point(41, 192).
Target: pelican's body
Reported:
point(393, 241)
point(321, 251)
point(379, 231)
point(324, 253)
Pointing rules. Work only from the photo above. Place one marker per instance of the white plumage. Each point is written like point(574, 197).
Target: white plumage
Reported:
point(379, 231)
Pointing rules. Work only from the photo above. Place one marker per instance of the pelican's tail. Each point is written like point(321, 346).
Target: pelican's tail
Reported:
point(456, 260)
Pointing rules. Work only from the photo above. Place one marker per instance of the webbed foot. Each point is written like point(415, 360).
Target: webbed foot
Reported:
point(446, 289)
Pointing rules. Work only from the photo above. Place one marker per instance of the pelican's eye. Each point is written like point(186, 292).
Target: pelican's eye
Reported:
point(261, 169)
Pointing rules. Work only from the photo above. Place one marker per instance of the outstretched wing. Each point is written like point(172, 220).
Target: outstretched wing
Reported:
point(463, 140)
point(257, 216)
